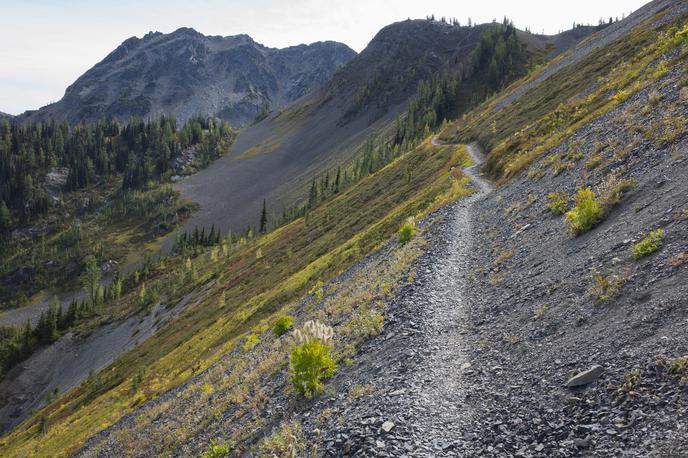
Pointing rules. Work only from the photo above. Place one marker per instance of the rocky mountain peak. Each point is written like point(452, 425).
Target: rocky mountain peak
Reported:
point(184, 72)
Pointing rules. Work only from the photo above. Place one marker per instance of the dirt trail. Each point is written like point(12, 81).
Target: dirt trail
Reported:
point(436, 396)
point(418, 363)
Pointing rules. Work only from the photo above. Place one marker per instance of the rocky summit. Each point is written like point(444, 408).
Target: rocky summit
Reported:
point(185, 73)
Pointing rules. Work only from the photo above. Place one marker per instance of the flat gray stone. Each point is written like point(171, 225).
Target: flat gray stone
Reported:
point(387, 426)
point(585, 377)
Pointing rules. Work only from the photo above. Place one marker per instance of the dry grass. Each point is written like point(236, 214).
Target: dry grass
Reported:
point(678, 260)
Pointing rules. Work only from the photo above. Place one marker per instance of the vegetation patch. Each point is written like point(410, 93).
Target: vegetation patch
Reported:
point(649, 244)
point(217, 450)
point(311, 359)
point(286, 442)
point(606, 288)
point(283, 325)
point(407, 232)
point(586, 213)
point(558, 202)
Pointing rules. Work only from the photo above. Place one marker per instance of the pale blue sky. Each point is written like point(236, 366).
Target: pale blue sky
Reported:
point(47, 44)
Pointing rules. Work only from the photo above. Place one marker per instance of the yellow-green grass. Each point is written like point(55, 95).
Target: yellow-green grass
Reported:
point(550, 113)
point(110, 235)
point(338, 233)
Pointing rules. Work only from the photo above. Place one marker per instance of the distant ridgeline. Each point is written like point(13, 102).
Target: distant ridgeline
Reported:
point(140, 151)
point(498, 58)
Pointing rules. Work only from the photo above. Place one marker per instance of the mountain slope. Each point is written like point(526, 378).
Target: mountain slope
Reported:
point(184, 73)
point(277, 158)
point(228, 295)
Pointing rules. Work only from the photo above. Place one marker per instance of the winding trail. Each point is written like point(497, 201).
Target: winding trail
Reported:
point(418, 364)
point(435, 400)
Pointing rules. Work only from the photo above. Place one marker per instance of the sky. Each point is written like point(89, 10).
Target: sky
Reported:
point(47, 44)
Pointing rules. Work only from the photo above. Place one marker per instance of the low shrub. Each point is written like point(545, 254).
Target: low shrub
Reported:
point(594, 161)
point(586, 213)
point(606, 288)
point(679, 365)
point(317, 291)
point(217, 450)
point(311, 359)
point(649, 244)
point(558, 167)
point(613, 189)
point(251, 341)
point(621, 96)
point(576, 155)
point(366, 322)
point(286, 441)
point(406, 233)
point(653, 98)
point(558, 202)
point(632, 380)
point(282, 325)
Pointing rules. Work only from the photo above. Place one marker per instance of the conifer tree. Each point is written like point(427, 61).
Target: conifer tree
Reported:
point(313, 195)
point(263, 219)
point(5, 218)
point(91, 280)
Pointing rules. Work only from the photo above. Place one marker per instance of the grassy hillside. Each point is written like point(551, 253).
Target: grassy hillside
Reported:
point(232, 293)
point(540, 119)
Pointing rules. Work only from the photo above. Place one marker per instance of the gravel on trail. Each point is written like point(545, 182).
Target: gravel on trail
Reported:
point(419, 362)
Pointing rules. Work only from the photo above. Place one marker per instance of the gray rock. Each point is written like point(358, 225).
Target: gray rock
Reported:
point(387, 426)
point(585, 377)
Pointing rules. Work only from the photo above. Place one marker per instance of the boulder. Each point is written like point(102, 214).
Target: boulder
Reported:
point(586, 377)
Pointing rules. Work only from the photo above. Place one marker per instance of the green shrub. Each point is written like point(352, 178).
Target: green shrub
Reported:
point(679, 365)
point(406, 233)
point(558, 202)
point(621, 96)
point(606, 288)
point(217, 450)
point(649, 244)
point(283, 324)
point(317, 291)
point(632, 380)
point(587, 212)
point(311, 359)
point(251, 341)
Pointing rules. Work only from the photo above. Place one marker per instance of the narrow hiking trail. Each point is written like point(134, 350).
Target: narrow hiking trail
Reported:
point(437, 389)
point(418, 363)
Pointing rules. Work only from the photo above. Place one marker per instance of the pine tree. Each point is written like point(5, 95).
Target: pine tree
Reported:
point(337, 180)
point(263, 219)
point(5, 218)
point(91, 280)
point(313, 195)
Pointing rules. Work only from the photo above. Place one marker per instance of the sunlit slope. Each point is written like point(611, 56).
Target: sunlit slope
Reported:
point(255, 279)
